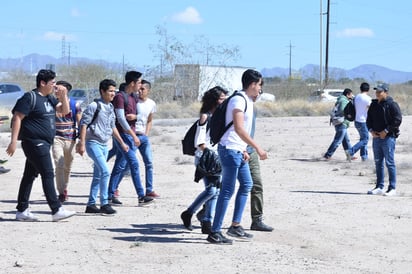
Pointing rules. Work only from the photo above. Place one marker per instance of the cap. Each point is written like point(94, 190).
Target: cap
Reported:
point(364, 87)
point(382, 87)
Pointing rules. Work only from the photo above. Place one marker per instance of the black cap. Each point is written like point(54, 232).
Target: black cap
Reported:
point(65, 84)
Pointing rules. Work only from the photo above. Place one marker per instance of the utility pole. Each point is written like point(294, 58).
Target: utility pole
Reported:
point(327, 45)
point(290, 60)
point(321, 44)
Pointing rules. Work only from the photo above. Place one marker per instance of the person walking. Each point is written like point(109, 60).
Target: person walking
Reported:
point(64, 143)
point(96, 129)
point(33, 123)
point(234, 158)
point(144, 121)
point(256, 194)
point(361, 102)
point(125, 103)
point(341, 134)
point(210, 100)
point(383, 121)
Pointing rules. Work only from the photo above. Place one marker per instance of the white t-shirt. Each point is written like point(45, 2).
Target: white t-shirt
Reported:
point(144, 109)
point(230, 139)
point(362, 103)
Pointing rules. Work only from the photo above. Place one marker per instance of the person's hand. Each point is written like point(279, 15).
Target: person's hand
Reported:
point(131, 117)
point(383, 134)
point(246, 156)
point(375, 134)
point(125, 147)
point(136, 141)
point(80, 148)
point(263, 155)
point(11, 148)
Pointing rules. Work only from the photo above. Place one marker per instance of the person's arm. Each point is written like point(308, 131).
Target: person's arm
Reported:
point(15, 129)
point(149, 124)
point(117, 136)
point(63, 106)
point(238, 124)
point(121, 118)
point(81, 144)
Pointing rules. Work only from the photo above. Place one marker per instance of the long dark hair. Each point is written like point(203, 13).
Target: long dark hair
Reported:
point(210, 99)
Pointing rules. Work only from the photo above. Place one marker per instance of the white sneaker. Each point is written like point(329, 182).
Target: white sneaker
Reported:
point(391, 192)
point(376, 191)
point(62, 214)
point(26, 216)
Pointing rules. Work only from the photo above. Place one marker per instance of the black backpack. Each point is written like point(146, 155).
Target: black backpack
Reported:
point(188, 142)
point(349, 112)
point(218, 125)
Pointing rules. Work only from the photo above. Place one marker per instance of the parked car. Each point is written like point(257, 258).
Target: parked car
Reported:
point(326, 95)
point(9, 93)
point(84, 96)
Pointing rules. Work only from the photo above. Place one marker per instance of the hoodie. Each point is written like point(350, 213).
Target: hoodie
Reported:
point(385, 115)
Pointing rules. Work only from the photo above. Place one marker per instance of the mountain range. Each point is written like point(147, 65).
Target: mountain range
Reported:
point(372, 73)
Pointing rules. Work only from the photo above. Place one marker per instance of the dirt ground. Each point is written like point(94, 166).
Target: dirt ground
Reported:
point(324, 221)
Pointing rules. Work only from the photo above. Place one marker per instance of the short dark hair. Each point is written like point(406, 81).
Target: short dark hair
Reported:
point(132, 76)
point(145, 82)
point(250, 76)
point(347, 91)
point(44, 75)
point(364, 86)
point(65, 84)
point(122, 86)
point(105, 84)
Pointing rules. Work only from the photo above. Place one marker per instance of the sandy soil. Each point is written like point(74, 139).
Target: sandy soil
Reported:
point(324, 221)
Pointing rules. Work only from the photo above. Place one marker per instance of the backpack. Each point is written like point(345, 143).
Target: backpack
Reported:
point(336, 117)
point(349, 112)
point(96, 112)
point(218, 125)
point(188, 142)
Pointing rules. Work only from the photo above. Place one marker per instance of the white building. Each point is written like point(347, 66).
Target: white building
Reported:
point(191, 81)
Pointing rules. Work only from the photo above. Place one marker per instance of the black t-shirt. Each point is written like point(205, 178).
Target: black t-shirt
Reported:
point(39, 122)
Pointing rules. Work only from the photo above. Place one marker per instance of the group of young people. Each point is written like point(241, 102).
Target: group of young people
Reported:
point(381, 118)
point(46, 118)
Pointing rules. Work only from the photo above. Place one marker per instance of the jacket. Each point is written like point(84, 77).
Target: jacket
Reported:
point(385, 115)
point(209, 167)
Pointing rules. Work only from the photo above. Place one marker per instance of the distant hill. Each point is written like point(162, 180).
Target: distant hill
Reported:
point(372, 73)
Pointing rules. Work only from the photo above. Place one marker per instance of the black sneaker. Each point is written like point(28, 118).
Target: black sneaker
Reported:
point(115, 201)
point(92, 209)
point(218, 238)
point(206, 227)
point(259, 225)
point(186, 217)
point(145, 200)
point(107, 210)
point(239, 232)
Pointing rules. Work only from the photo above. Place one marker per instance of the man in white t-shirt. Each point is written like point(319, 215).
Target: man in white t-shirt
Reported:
point(234, 158)
point(145, 109)
point(362, 102)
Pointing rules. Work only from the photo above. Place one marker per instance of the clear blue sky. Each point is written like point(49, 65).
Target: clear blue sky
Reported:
point(361, 31)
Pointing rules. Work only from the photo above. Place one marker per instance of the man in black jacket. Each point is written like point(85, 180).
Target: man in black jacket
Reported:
point(383, 121)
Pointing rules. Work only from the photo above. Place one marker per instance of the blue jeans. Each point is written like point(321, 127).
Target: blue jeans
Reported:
point(341, 137)
point(207, 197)
point(98, 153)
point(362, 145)
point(122, 160)
point(146, 152)
point(233, 167)
point(384, 149)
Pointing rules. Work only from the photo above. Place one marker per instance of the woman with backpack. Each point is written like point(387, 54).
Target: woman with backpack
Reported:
point(210, 100)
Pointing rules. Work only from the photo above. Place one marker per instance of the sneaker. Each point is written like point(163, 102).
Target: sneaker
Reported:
point(115, 201)
point(153, 194)
point(92, 209)
point(3, 161)
point(238, 232)
point(4, 170)
point(145, 200)
point(186, 217)
point(326, 158)
point(26, 215)
point(218, 238)
point(259, 225)
point(107, 210)
point(116, 193)
point(62, 214)
point(376, 191)
point(390, 192)
point(206, 227)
